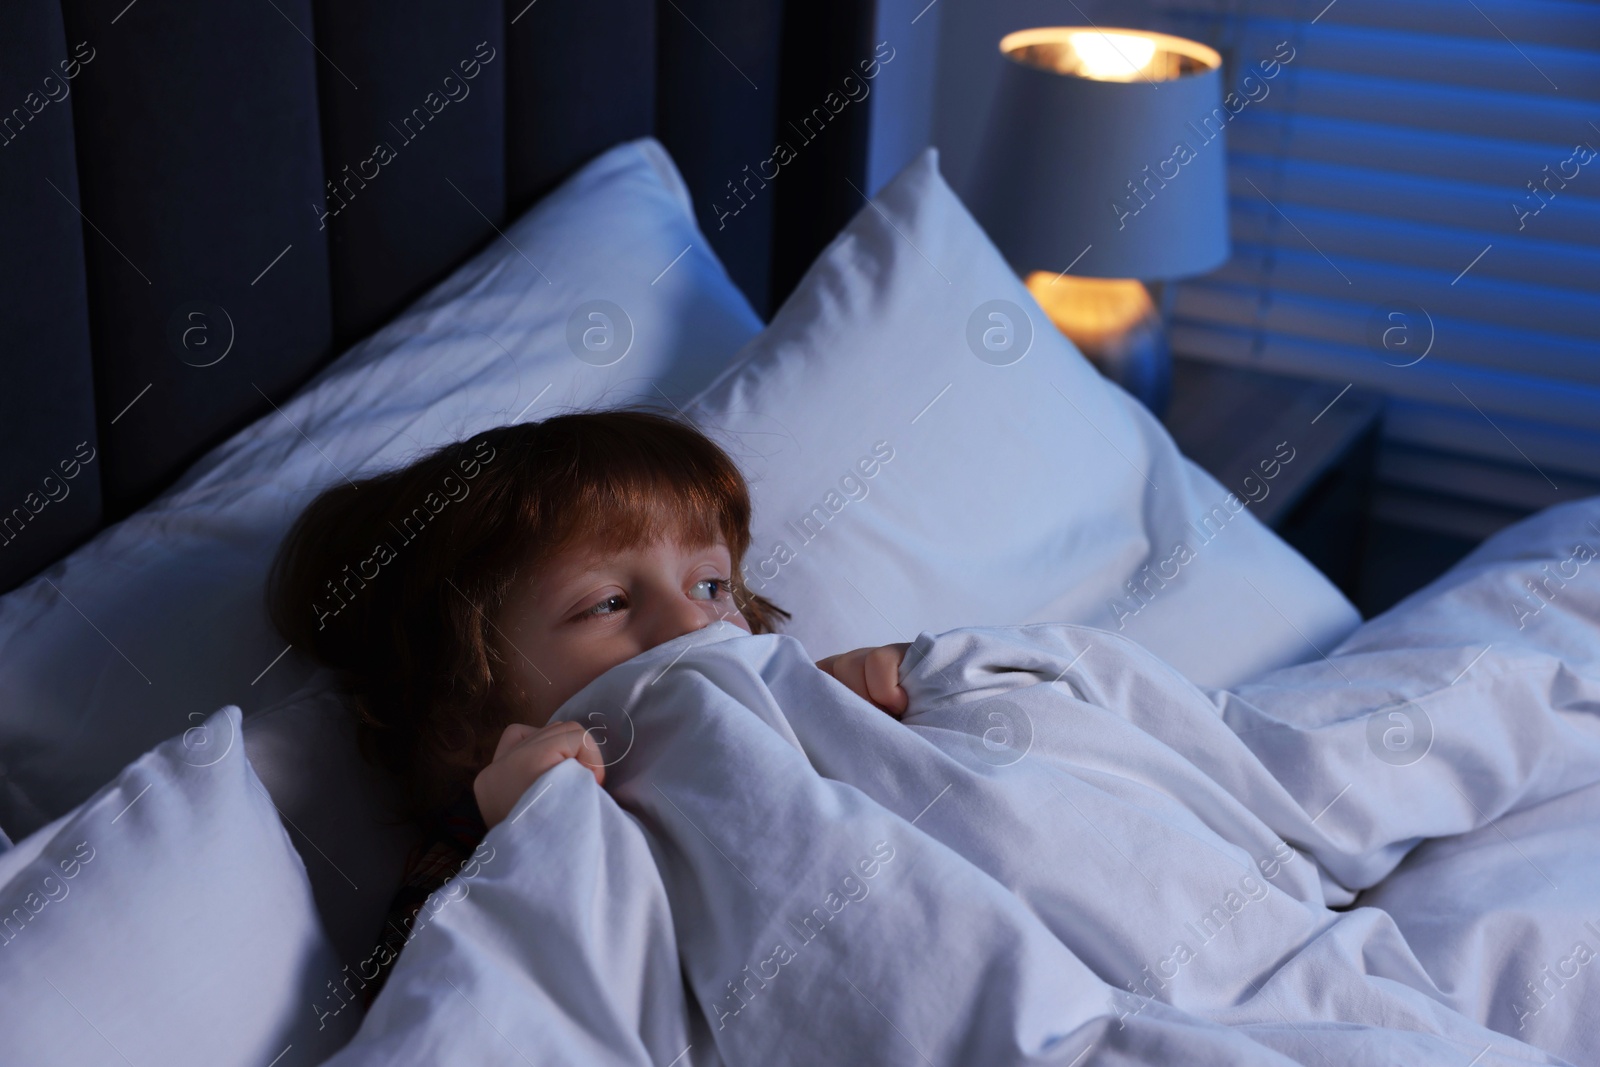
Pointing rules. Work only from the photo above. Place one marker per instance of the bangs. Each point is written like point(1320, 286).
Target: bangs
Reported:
point(645, 481)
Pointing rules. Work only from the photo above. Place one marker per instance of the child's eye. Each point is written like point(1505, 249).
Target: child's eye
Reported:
point(609, 606)
point(720, 588)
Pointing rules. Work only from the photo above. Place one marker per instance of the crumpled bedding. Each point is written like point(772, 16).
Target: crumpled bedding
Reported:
point(1065, 853)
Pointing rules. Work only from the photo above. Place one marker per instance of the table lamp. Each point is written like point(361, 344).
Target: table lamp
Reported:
point(1103, 168)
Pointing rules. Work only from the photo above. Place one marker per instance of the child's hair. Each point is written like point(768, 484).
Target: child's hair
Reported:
point(392, 581)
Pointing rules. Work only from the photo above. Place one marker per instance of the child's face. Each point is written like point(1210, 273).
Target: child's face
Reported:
point(583, 613)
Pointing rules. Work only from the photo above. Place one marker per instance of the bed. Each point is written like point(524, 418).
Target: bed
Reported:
point(1161, 795)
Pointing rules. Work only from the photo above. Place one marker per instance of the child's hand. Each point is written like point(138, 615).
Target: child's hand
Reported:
point(873, 673)
point(524, 753)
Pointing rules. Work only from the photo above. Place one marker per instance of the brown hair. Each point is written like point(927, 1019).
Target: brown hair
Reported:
point(392, 581)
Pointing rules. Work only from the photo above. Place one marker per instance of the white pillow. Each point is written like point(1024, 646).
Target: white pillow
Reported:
point(921, 465)
point(162, 615)
point(338, 808)
point(168, 920)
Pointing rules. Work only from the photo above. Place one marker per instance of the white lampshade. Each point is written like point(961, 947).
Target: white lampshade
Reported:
point(1105, 154)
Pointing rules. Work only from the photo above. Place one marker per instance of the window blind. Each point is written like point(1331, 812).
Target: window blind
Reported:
point(1415, 209)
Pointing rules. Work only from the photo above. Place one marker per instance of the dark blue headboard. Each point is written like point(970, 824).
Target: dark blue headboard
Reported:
point(214, 165)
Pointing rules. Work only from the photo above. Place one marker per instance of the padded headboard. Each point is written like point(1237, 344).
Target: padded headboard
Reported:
point(204, 202)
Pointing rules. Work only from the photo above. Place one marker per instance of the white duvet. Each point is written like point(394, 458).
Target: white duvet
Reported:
point(1065, 853)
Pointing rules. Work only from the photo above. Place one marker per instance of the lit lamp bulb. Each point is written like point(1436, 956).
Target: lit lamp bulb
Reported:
point(1108, 57)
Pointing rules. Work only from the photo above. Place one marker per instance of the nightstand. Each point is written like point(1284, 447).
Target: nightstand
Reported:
point(1239, 424)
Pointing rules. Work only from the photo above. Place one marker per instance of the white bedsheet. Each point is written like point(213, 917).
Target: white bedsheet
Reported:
point(1507, 917)
point(1066, 853)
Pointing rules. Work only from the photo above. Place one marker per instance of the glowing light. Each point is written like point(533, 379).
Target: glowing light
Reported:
point(1112, 56)
point(1092, 311)
point(1115, 55)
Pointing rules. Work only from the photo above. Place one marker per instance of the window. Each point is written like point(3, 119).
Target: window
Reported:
point(1415, 202)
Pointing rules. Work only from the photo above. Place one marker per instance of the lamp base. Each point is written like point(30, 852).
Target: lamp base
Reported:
point(1116, 324)
point(1138, 360)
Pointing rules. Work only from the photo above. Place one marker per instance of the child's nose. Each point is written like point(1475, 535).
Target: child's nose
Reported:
point(681, 616)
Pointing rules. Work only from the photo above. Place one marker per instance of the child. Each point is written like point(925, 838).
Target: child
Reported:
point(464, 598)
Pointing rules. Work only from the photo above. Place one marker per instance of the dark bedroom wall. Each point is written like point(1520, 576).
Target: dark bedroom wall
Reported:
point(903, 93)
